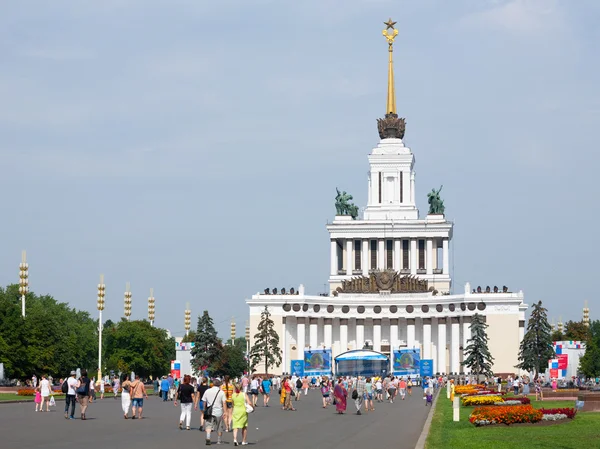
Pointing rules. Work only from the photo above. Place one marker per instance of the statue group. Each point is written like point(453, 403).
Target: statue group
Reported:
point(343, 205)
point(436, 204)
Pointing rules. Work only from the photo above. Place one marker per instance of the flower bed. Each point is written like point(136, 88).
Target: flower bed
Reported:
point(513, 414)
point(481, 400)
point(26, 392)
point(568, 412)
point(468, 389)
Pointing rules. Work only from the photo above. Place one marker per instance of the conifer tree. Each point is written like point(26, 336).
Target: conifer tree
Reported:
point(207, 345)
point(536, 348)
point(266, 344)
point(478, 358)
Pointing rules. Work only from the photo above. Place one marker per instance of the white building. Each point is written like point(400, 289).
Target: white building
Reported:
point(390, 281)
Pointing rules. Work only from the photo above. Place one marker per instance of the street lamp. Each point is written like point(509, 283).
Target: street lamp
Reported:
point(127, 301)
point(23, 280)
point(188, 318)
point(100, 305)
point(151, 307)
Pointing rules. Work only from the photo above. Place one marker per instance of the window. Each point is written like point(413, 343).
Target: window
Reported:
point(380, 179)
point(421, 254)
point(373, 254)
point(405, 255)
point(401, 188)
point(357, 254)
point(389, 254)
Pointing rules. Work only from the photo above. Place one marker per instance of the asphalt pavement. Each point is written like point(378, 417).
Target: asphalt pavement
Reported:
point(395, 425)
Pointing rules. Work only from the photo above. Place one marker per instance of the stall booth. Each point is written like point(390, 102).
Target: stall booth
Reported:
point(362, 362)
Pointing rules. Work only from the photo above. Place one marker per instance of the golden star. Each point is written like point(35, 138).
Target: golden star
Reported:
point(389, 24)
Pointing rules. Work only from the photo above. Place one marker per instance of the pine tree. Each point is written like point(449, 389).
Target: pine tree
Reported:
point(266, 343)
point(536, 348)
point(478, 357)
point(207, 344)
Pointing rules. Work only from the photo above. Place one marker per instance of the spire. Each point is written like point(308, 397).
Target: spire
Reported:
point(391, 93)
point(391, 127)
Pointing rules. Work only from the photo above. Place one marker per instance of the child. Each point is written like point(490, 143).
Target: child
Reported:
point(38, 398)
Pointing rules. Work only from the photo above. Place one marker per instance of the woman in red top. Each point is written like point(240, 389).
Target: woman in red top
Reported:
point(287, 385)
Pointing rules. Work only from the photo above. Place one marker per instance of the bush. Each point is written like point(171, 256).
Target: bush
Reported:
point(505, 415)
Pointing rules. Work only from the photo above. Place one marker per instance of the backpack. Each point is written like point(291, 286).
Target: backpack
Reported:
point(298, 383)
point(65, 386)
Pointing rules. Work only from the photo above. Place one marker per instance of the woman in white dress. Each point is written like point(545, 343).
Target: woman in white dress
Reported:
point(125, 396)
point(45, 389)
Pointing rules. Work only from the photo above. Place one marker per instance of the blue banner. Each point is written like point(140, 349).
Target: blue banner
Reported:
point(317, 362)
point(426, 368)
point(407, 362)
point(297, 367)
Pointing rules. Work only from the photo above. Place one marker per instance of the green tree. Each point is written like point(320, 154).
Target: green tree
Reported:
point(137, 346)
point(478, 358)
point(208, 345)
point(240, 342)
point(231, 361)
point(576, 330)
point(536, 348)
point(589, 364)
point(266, 344)
point(557, 335)
point(190, 337)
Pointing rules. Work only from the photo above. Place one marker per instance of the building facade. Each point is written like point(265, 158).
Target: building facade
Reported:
point(390, 286)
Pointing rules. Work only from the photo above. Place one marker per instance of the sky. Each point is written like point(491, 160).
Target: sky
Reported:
point(194, 146)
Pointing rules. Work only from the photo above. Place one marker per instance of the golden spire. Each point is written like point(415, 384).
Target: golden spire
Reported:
point(391, 93)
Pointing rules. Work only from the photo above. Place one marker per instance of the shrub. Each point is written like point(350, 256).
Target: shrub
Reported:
point(505, 415)
point(481, 400)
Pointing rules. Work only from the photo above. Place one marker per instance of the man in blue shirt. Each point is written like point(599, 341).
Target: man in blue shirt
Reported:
point(164, 388)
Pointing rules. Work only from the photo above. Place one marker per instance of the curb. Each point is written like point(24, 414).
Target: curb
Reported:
point(427, 425)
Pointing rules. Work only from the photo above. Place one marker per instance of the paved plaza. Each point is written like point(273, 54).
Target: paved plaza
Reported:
point(395, 425)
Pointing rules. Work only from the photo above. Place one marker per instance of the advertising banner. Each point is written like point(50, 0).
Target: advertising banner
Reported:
point(297, 367)
point(317, 362)
point(554, 373)
point(407, 362)
point(426, 368)
point(176, 369)
point(563, 361)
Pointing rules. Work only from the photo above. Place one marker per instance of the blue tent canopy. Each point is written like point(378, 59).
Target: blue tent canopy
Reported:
point(361, 362)
point(361, 354)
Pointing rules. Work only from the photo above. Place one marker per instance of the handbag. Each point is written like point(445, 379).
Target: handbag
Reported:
point(354, 394)
point(249, 408)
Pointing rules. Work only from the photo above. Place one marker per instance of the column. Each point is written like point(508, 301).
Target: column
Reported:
point(445, 257)
point(349, 256)
point(328, 332)
point(377, 334)
point(381, 254)
point(300, 336)
point(466, 336)
point(360, 333)
point(314, 328)
point(397, 255)
point(426, 338)
point(412, 187)
point(429, 256)
point(334, 258)
point(407, 197)
point(454, 353)
point(364, 254)
point(343, 334)
point(284, 361)
point(441, 368)
point(413, 256)
point(410, 333)
point(393, 333)
point(521, 331)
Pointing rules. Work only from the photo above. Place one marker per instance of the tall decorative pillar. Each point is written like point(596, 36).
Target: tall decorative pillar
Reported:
point(412, 187)
point(427, 338)
point(343, 334)
point(328, 332)
point(441, 368)
point(360, 333)
point(349, 256)
point(313, 329)
point(454, 353)
point(334, 258)
point(393, 333)
point(365, 260)
point(377, 334)
point(429, 256)
point(381, 254)
point(300, 336)
point(397, 259)
point(466, 336)
point(413, 256)
point(410, 333)
point(284, 360)
point(445, 257)
point(522, 330)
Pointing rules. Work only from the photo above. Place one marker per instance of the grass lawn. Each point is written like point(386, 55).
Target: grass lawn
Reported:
point(583, 431)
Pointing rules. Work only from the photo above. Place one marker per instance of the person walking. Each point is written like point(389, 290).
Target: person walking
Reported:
point(266, 390)
point(305, 385)
point(240, 414)
point(92, 390)
point(126, 396)
point(70, 398)
point(116, 386)
point(254, 390)
point(185, 393)
point(45, 390)
point(227, 388)
point(359, 394)
point(340, 393)
point(198, 404)
point(214, 404)
point(101, 388)
point(138, 392)
point(38, 399)
point(164, 388)
point(83, 393)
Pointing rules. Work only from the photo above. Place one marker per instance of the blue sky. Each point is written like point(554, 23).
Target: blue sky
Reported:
point(195, 146)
